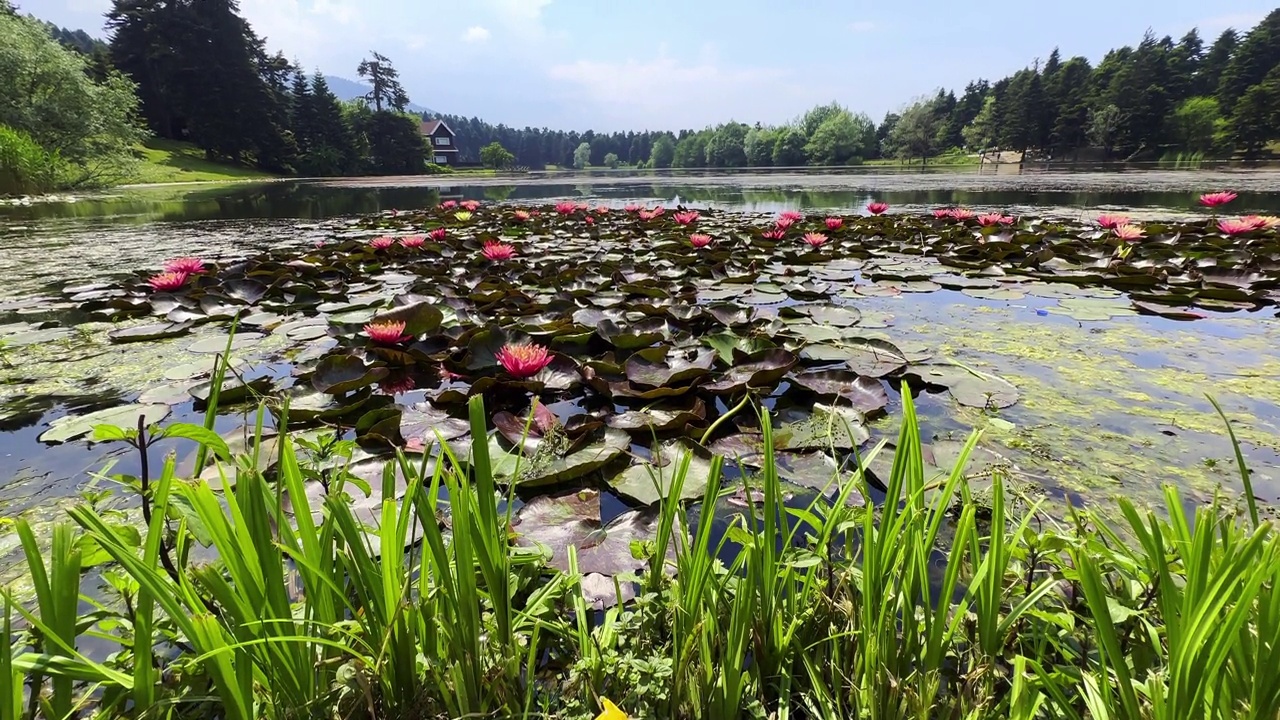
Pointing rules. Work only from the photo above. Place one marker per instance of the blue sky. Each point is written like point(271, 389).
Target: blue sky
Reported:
point(667, 64)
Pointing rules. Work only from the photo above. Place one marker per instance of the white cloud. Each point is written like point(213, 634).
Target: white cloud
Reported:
point(664, 92)
point(518, 11)
point(475, 34)
point(862, 26)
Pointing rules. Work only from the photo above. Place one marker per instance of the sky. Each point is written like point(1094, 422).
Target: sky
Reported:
point(612, 65)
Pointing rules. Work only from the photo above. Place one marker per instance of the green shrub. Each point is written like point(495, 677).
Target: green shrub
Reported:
point(25, 167)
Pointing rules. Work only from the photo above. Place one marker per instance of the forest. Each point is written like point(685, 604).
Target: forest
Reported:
point(197, 72)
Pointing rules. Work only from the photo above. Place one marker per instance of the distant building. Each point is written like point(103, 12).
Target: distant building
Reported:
point(444, 151)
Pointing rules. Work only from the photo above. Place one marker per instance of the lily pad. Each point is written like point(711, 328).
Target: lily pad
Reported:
point(648, 482)
point(338, 374)
point(968, 387)
point(760, 370)
point(547, 467)
point(869, 357)
point(419, 318)
point(423, 424)
point(865, 393)
point(71, 427)
point(659, 367)
point(149, 332)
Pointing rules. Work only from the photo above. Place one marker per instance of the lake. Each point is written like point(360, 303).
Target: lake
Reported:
point(1112, 402)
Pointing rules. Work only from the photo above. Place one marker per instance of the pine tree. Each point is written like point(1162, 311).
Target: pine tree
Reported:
point(1215, 63)
point(1071, 98)
point(385, 82)
point(1257, 55)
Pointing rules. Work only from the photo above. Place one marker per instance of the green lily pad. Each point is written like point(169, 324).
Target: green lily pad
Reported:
point(149, 332)
point(419, 318)
point(548, 468)
point(759, 370)
point(969, 388)
point(339, 374)
point(869, 357)
point(659, 367)
point(825, 426)
point(648, 482)
point(71, 427)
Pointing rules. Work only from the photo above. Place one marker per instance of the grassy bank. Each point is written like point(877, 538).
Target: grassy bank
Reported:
point(936, 604)
point(169, 161)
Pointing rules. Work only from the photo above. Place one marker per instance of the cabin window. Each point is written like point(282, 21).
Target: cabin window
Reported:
point(442, 141)
point(441, 160)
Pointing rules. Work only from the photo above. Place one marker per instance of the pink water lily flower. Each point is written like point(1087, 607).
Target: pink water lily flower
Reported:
point(1259, 223)
point(814, 239)
point(382, 243)
point(471, 205)
point(793, 216)
point(589, 220)
point(632, 208)
point(583, 206)
point(521, 216)
point(658, 211)
point(645, 215)
point(437, 235)
point(386, 333)
point(989, 219)
point(168, 281)
point(1233, 227)
point(1111, 222)
point(699, 240)
point(961, 214)
point(1216, 199)
point(942, 213)
point(834, 223)
point(448, 204)
point(783, 222)
point(601, 210)
point(523, 361)
point(413, 241)
point(1127, 232)
point(685, 218)
point(497, 251)
point(566, 208)
point(877, 208)
point(774, 234)
point(188, 265)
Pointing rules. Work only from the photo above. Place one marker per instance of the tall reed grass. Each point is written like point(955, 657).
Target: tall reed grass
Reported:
point(931, 605)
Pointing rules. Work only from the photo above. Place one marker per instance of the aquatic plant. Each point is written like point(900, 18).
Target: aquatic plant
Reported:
point(601, 210)
point(633, 208)
point(1234, 226)
point(413, 241)
point(470, 205)
point(990, 219)
point(520, 216)
point(408, 590)
point(877, 208)
point(188, 265)
point(497, 251)
point(814, 239)
point(463, 215)
point(961, 214)
point(168, 281)
point(774, 234)
point(386, 333)
point(834, 223)
point(793, 216)
point(699, 240)
point(1217, 199)
point(448, 204)
point(382, 242)
point(523, 361)
point(1261, 222)
point(687, 217)
point(943, 213)
point(1128, 232)
point(438, 234)
point(566, 208)
point(645, 215)
point(783, 222)
point(1111, 222)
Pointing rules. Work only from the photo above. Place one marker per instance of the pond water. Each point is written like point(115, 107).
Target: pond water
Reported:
point(1112, 402)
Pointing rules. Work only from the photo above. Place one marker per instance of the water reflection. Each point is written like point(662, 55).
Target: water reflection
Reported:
point(1162, 193)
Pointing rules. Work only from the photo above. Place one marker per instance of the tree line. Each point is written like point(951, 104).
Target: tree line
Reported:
point(194, 70)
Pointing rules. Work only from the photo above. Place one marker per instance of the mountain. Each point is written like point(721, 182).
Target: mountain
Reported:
point(350, 90)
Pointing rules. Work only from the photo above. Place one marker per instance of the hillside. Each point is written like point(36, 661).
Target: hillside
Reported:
point(350, 90)
point(169, 161)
